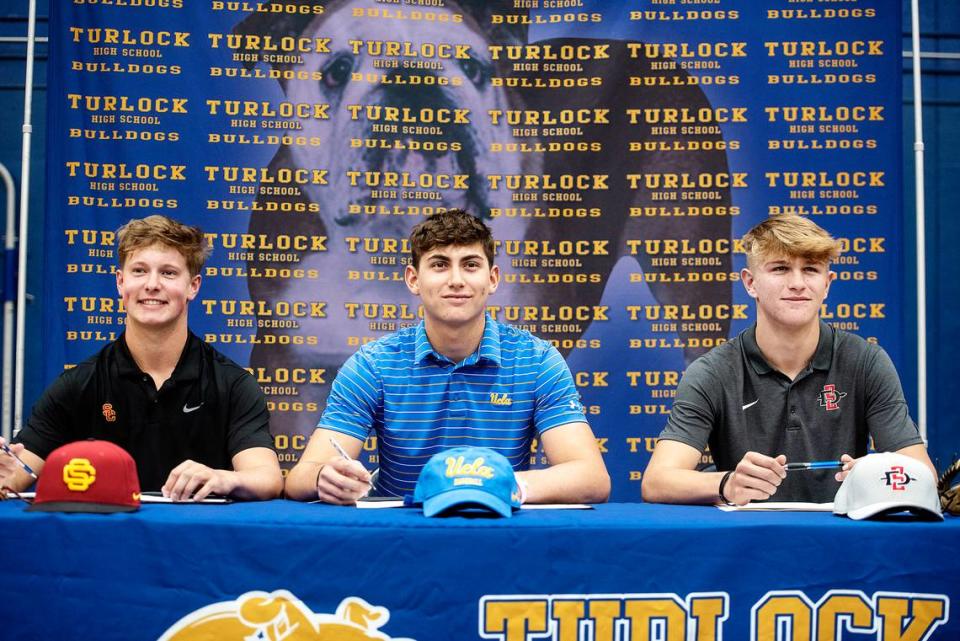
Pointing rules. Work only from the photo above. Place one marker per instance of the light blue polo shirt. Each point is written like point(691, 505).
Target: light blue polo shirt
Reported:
point(418, 402)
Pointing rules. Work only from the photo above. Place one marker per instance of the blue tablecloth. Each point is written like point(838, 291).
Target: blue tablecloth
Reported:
point(621, 571)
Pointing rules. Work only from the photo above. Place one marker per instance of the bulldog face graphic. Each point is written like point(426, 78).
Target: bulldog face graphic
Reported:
point(410, 133)
point(281, 616)
point(429, 124)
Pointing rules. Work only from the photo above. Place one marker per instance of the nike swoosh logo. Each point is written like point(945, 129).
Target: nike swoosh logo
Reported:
point(187, 410)
point(746, 407)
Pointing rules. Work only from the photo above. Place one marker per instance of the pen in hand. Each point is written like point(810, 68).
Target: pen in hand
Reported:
point(815, 465)
point(26, 468)
point(343, 454)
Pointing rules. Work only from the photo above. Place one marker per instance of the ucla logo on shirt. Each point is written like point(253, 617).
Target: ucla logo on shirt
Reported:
point(500, 398)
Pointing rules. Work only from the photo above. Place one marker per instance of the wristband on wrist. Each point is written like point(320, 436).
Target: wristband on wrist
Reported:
point(723, 483)
point(523, 490)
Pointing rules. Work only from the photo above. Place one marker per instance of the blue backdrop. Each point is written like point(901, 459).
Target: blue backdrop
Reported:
point(615, 148)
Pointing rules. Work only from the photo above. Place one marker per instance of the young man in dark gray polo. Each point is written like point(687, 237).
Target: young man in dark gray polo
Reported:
point(789, 388)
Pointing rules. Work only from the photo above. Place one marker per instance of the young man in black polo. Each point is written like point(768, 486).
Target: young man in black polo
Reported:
point(790, 388)
point(195, 422)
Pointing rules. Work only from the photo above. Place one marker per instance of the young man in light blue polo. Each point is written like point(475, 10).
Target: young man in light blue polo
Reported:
point(458, 378)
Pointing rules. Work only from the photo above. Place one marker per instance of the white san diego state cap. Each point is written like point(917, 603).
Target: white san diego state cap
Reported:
point(887, 483)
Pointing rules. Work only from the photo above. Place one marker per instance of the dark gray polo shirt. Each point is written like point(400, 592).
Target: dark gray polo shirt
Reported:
point(733, 400)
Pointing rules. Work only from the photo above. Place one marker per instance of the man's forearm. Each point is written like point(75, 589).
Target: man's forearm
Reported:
point(257, 483)
point(681, 486)
point(301, 481)
point(919, 452)
point(570, 482)
point(18, 481)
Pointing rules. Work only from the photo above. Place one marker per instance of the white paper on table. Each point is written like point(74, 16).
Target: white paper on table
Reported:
point(158, 498)
point(376, 505)
point(555, 506)
point(155, 498)
point(782, 506)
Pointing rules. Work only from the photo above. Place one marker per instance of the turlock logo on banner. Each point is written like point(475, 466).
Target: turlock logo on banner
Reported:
point(781, 614)
point(885, 616)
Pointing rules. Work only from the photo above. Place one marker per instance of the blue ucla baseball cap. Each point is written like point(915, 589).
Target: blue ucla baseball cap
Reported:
point(465, 477)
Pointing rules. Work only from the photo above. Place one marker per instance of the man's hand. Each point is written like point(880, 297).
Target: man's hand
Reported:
point(755, 478)
point(195, 480)
point(848, 463)
point(9, 467)
point(342, 482)
point(12, 476)
point(323, 473)
point(918, 452)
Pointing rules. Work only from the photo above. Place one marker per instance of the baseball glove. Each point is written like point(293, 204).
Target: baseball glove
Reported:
point(949, 493)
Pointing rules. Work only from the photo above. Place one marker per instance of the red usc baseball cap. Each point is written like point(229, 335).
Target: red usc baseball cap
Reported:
point(88, 476)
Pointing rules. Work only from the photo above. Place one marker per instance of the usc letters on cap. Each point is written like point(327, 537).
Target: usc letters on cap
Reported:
point(88, 476)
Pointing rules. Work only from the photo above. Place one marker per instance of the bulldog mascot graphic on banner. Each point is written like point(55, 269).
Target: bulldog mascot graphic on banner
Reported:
point(280, 616)
point(449, 110)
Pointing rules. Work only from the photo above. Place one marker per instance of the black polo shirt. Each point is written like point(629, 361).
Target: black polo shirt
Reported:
point(209, 410)
point(733, 400)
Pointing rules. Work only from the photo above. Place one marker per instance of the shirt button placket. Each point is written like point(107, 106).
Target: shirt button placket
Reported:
point(457, 398)
point(793, 421)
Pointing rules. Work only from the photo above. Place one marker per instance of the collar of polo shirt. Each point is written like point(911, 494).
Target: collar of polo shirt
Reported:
point(489, 349)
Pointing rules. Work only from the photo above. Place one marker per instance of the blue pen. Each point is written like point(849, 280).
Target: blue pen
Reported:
point(26, 468)
point(815, 465)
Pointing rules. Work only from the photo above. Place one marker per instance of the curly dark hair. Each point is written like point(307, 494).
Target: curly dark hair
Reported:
point(451, 227)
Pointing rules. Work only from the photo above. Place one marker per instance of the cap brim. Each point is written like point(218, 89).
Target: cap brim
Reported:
point(892, 507)
point(73, 506)
point(464, 497)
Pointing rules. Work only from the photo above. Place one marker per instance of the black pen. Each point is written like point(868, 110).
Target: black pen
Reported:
point(26, 468)
point(814, 465)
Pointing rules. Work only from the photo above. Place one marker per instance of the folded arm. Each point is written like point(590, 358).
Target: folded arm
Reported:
point(255, 476)
point(576, 474)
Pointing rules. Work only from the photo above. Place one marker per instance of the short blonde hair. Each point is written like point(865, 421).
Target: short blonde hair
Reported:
point(141, 233)
point(792, 236)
